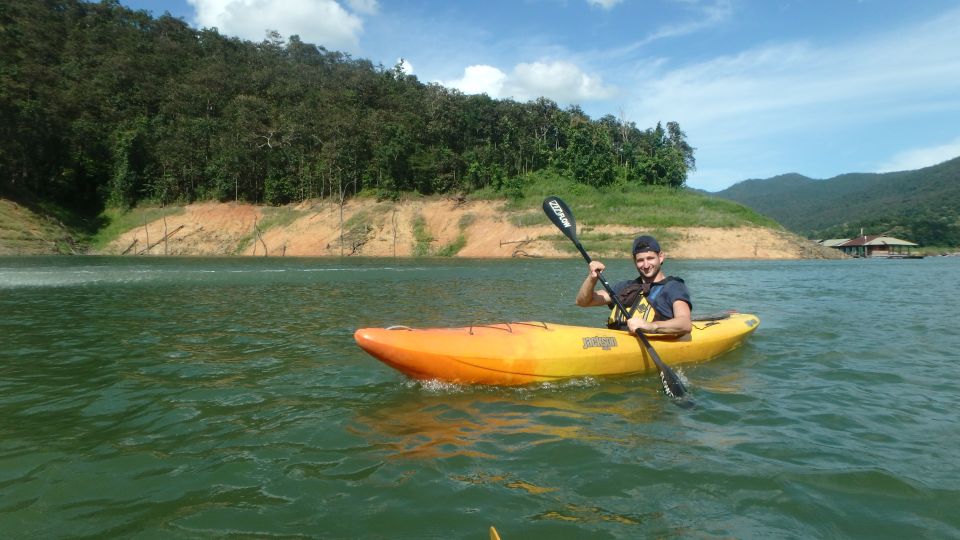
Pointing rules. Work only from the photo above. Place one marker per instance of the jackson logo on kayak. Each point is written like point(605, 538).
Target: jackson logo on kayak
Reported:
point(604, 342)
point(555, 206)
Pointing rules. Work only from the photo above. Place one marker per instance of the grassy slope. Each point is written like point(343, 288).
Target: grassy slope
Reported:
point(636, 206)
point(25, 232)
point(117, 222)
point(649, 208)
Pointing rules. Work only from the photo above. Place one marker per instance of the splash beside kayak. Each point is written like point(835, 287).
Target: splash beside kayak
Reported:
point(528, 352)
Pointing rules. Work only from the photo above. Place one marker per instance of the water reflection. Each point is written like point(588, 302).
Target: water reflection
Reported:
point(440, 420)
point(543, 445)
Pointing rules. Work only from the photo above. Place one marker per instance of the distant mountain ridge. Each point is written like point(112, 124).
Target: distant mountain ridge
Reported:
point(922, 205)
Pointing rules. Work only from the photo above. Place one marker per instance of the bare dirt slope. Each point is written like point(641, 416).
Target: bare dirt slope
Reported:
point(418, 227)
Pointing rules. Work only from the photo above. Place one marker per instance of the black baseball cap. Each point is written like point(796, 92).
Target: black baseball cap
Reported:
point(645, 243)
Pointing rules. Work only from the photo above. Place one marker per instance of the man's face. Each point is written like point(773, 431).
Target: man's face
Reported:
point(648, 263)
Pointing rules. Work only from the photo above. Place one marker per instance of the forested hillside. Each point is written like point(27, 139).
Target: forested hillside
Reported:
point(104, 106)
point(921, 205)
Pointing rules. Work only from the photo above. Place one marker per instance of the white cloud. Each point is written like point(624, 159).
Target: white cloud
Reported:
point(734, 89)
point(480, 79)
point(367, 7)
point(605, 4)
point(322, 22)
point(919, 158)
point(708, 15)
point(561, 81)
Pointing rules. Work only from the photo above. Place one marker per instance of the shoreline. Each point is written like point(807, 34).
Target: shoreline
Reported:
point(412, 229)
point(441, 227)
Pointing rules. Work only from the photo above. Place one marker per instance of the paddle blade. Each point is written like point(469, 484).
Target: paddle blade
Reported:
point(672, 383)
point(561, 216)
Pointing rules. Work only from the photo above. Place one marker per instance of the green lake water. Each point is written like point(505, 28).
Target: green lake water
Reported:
point(214, 398)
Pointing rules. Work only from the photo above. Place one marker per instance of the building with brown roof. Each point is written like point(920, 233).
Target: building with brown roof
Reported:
point(877, 246)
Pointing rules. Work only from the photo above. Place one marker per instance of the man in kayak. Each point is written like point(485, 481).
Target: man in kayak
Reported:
point(656, 304)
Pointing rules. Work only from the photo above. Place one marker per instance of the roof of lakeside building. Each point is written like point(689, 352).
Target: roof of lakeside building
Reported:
point(875, 240)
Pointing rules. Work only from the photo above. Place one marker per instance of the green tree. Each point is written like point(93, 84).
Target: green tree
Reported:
point(589, 156)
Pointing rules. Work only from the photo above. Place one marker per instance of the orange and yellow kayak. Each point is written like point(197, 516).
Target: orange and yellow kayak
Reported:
point(529, 352)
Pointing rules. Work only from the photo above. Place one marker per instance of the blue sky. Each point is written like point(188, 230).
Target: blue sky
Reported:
point(761, 87)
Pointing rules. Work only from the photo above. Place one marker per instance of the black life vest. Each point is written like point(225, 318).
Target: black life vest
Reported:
point(636, 298)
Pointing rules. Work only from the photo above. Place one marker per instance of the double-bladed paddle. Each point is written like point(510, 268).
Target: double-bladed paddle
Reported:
point(561, 216)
